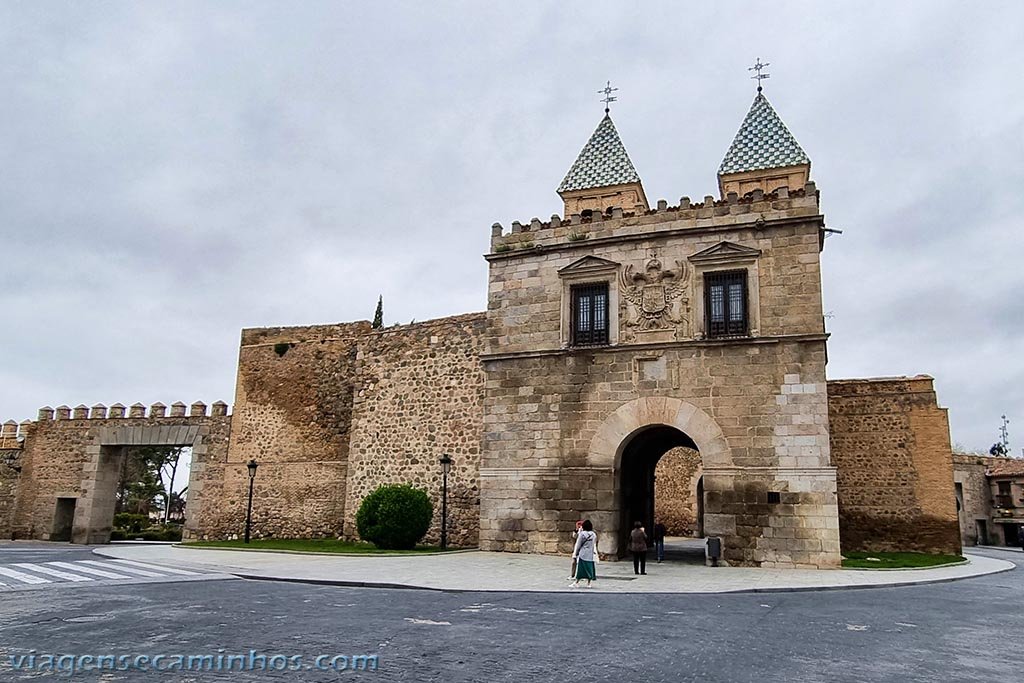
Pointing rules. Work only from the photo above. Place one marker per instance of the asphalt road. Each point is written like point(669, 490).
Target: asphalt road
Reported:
point(966, 631)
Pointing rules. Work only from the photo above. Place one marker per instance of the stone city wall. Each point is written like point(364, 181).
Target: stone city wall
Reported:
point(11, 438)
point(418, 398)
point(292, 415)
point(890, 443)
point(675, 501)
point(330, 412)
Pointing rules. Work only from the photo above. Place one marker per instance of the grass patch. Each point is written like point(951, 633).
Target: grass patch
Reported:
point(313, 545)
point(897, 560)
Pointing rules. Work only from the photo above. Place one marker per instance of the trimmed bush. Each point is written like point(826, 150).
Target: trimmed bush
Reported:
point(395, 516)
point(130, 522)
point(156, 533)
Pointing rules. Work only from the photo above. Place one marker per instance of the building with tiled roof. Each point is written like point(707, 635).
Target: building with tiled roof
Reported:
point(990, 499)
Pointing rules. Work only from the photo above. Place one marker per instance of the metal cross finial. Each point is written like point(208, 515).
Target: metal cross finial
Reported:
point(607, 92)
point(760, 76)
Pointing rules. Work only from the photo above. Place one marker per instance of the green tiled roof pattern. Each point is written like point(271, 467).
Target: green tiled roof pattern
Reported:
point(763, 141)
point(603, 162)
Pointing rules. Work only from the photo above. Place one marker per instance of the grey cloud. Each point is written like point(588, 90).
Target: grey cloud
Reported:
point(172, 173)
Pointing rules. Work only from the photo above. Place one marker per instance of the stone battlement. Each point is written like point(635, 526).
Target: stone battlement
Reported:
point(136, 410)
point(12, 434)
point(272, 336)
point(617, 222)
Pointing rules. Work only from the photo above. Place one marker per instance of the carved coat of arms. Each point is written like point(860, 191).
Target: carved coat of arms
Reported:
point(653, 293)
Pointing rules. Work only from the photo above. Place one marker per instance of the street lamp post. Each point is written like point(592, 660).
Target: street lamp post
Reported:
point(446, 467)
point(252, 465)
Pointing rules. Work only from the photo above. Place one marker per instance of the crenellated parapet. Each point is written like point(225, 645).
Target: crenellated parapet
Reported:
point(755, 207)
point(12, 434)
point(119, 411)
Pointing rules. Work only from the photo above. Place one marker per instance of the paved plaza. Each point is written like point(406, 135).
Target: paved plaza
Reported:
point(940, 631)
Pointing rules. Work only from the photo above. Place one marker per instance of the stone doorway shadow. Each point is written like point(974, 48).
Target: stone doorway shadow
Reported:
point(684, 549)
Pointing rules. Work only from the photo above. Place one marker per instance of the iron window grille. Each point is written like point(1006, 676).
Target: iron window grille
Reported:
point(590, 314)
point(725, 304)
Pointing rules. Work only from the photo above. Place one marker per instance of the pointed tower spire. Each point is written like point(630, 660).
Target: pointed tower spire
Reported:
point(764, 154)
point(602, 176)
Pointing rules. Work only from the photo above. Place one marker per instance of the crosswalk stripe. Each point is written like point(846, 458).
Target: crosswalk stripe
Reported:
point(21, 576)
point(88, 570)
point(157, 568)
point(51, 571)
point(131, 570)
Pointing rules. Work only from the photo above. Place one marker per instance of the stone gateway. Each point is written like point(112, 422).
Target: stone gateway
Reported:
point(614, 334)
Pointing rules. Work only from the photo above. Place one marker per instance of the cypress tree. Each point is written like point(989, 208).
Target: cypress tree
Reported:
point(378, 316)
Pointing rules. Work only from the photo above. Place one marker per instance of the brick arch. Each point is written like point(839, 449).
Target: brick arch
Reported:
point(636, 415)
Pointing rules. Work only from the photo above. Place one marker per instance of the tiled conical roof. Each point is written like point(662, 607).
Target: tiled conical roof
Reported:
point(603, 162)
point(763, 141)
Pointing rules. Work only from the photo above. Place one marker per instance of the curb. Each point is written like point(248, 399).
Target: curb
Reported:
point(905, 569)
point(738, 591)
point(319, 553)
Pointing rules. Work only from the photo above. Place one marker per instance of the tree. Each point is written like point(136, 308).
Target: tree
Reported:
point(378, 316)
point(147, 478)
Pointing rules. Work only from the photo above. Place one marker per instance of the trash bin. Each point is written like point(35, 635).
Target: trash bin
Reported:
point(713, 549)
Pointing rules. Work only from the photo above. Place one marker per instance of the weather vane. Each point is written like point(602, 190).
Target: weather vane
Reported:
point(607, 92)
point(760, 76)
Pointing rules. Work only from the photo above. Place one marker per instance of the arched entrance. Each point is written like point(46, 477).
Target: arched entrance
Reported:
point(638, 487)
point(628, 444)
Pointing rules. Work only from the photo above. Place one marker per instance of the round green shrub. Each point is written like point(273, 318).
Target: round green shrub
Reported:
point(395, 516)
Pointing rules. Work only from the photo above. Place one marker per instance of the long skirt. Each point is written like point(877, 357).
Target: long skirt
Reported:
point(585, 569)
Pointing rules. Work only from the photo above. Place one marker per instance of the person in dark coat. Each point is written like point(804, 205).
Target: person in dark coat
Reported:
point(638, 546)
point(659, 540)
point(1020, 536)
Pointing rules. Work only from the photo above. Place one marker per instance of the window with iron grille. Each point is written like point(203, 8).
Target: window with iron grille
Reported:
point(590, 314)
point(725, 303)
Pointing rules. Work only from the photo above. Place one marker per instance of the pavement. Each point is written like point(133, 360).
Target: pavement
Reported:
point(512, 572)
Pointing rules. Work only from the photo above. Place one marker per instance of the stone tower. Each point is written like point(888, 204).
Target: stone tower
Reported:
point(620, 331)
point(602, 176)
point(764, 155)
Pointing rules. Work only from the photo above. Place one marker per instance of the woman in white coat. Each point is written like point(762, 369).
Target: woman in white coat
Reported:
point(585, 553)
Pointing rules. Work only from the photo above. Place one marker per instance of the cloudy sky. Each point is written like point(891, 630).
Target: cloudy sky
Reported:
point(173, 172)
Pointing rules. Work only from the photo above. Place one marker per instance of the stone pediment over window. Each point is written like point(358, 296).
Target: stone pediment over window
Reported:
point(589, 265)
point(725, 252)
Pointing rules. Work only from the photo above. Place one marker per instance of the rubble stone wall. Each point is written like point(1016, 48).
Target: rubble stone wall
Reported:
point(419, 397)
point(330, 412)
point(675, 502)
point(292, 415)
point(890, 443)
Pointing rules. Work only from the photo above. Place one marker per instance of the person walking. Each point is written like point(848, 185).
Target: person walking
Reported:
point(575, 533)
point(638, 546)
point(659, 540)
point(585, 553)
point(1020, 536)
